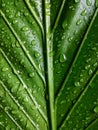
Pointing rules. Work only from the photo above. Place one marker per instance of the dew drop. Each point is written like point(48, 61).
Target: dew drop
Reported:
point(33, 42)
point(17, 44)
point(62, 102)
point(64, 25)
point(95, 64)
point(10, 16)
point(24, 28)
point(88, 60)
point(26, 14)
point(37, 54)
point(77, 84)
point(21, 62)
point(78, 21)
point(62, 58)
point(90, 72)
point(14, 111)
point(70, 39)
point(31, 75)
point(87, 67)
point(15, 21)
point(76, 1)
point(13, 45)
point(83, 12)
point(14, 89)
point(17, 14)
point(26, 99)
point(4, 69)
point(6, 108)
point(81, 80)
point(2, 44)
point(74, 91)
point(3, 5)
point(7, 11)
point(96, 109)
point(88, 2)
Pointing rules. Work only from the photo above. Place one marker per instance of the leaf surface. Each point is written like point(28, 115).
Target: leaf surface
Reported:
point(48, 65)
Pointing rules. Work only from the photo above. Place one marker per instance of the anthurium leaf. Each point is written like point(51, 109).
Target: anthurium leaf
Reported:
point(48, 65)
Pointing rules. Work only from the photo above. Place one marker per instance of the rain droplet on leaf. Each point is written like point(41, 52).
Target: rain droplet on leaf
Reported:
point(76, 1)
point(78, 21)
point(96, 109)
point(62, 58)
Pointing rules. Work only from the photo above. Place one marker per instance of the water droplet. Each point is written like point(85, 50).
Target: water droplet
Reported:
point(76, 1)
point(7, 11)
point(56, 62)
point(6, 108)
point(13, 45)
point(88, 60)
point(62, 102)
point(77, 84)
point(31, 75)
point(37, 54)
point(3, 5)
point(24, 28)
point(87, 67)
point(96, 109)
point(14, 112)
point(83, 12)
point(14, 89)
point(64, 25)
point(26, 99)
point(10, 16)
point(15, 21)
point(26, 14)
point(90, 72)
point(62, 58)
point(94, 48)
point(17, 44)
point(17, 14)
point(78, 21)
point(95, 64)
point(88, 2)
point(2, 44)
point(33, 42)
point(81, 80)
point(70, 39)
point(4, 69)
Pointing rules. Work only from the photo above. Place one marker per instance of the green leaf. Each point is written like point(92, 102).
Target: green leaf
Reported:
point(48, 65)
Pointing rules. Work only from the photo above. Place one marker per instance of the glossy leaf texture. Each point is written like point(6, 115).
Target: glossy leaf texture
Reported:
point(48, 64)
